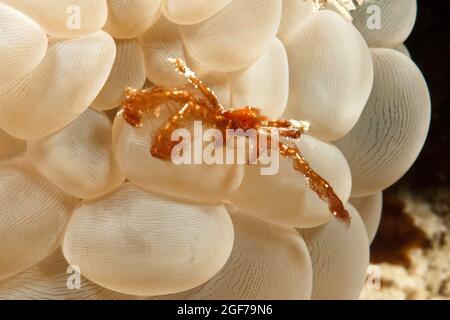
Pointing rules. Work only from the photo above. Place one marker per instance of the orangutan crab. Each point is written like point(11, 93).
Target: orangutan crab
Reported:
point(208, 109)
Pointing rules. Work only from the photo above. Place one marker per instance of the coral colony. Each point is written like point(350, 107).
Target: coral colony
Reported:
point(206, 108)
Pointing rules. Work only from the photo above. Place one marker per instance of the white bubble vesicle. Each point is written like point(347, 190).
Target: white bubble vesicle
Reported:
point(79, 158)
point(60, 89)
point(23, 44)
point(142, 244)
point(393, 127)
point(33, 215)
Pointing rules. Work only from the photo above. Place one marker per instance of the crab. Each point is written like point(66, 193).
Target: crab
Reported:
point(203, 105)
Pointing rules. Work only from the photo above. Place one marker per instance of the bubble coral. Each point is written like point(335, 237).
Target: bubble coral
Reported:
point(79, 190)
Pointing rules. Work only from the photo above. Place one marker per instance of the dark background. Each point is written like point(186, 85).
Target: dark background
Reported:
point(429, 45)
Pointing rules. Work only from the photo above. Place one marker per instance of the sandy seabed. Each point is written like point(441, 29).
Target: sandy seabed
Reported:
point(412, 248)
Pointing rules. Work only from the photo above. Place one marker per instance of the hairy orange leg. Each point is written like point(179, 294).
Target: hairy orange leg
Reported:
point(208, 94)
